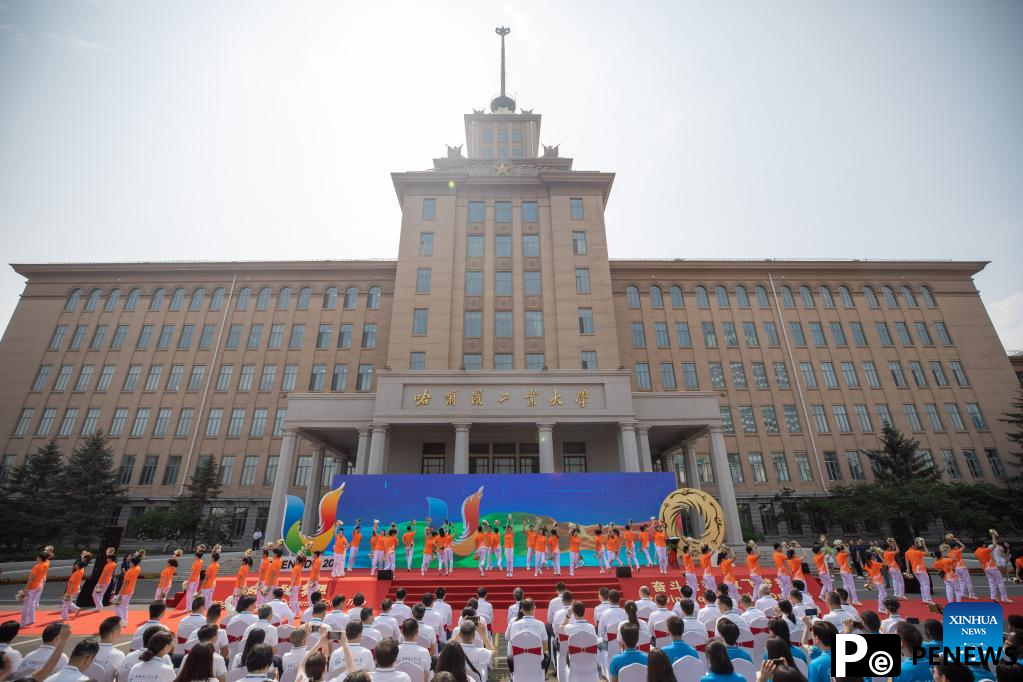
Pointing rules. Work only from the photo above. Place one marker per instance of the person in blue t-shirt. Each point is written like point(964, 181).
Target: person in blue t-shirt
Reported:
point(953, 672)
point(824, 634)
point(779, 627)
point(719, 665)
point(911, 639)
point(729, 632)
point(678, 648)
point(630, 638)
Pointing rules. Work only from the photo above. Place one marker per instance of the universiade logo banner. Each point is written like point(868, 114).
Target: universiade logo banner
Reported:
point(973, 630)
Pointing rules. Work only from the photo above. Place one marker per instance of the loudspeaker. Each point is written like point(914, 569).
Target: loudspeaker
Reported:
point(111, 538)
point(385, 575)
point(623, 572)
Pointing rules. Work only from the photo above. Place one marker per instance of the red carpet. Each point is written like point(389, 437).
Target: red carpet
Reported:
point(463, 584)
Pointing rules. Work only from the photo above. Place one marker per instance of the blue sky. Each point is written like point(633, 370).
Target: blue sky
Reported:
point(266, 130)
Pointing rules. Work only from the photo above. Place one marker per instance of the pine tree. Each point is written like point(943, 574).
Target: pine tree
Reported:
point(90, 489)
point(32, 498)
point(202, 488)
point(1014, 417)
point(898, 462)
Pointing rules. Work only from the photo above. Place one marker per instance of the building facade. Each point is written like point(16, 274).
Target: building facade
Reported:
point(504, 339)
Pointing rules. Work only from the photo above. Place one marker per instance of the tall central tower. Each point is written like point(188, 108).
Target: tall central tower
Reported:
point(501, 250)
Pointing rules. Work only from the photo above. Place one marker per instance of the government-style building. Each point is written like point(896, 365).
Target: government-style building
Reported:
point(505, 339)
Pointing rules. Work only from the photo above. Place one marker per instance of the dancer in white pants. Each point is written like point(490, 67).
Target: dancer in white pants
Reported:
point(964, 586)
point(554, 545)
point(34, 588)
point(127, 590)
point(74, 584)
point(353, 548)
point(337, 569)
point(509, 548)
point(661, 547)
point(408, 541)
point(891, 560)
point(644, 543)
point(946, 569)
point(995, 579)
point(105, 577)
point(915, 558)
point(429, 544)
point(845, 572)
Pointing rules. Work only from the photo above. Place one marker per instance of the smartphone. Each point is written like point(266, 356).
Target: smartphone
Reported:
point(334, 636)
point(812, 612)
point(857, 625)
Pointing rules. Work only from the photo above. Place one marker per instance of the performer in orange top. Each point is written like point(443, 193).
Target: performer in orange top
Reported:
point(612, 547)
point(391, 548)
point(353, 548)
point(482, 545)
point(242, 575)
point(706, 558)
point(726, 558)
point(408, 539)
point(192, 584)
point(644, 543)
point(995, 579)
point(440, 546)
point(34, 588)
point(573, 549)
point(794, 558)
point(509, 547)
point(530, 537)
point(629, 538)
point(891, 560)
point(823, 574)
point(915, 558)
point(314, 572)
point(689, 554)
point(273, 571)
point(74, 584)
point(340, 551)
point(964, 586)
point(295, 581)
point(494, 546)
point(946, 569)
point(753, 566)
point(661, 547)
point(539, 551)
point(554, 549)
point(781, 569)
point(104, 578)
point(163, 586)
point(844, 572)
point(429, 545)
point(131, 577)
point(209, 581)
point(873, 567)
point(376, 552)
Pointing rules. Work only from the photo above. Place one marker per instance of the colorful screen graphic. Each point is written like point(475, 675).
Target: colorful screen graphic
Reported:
point(468, 499)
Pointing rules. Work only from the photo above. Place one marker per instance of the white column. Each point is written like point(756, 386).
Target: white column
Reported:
point(692, 471)
point(279, 497)
point(645, 461)
point(462, 448)
point(630, 452)
point(311, 515)
point(377, 447)
point(362, 452)
point(726, 492)
point(546, 436)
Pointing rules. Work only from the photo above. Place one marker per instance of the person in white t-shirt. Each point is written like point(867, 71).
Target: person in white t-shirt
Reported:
point(152, 666)
point(644, 601)
point(132, 658)
point(336, 619)
point(766, 603)
point(108, 655)
point(353, 656)
point(409, 650)
point(208, 634)
point(444, 609)
point(387, 655)
point(156, 611)
point(299, 639)
point(39, 658)
point(481, 657)
point(282, 612)
point(612, 615)
point(266, 612)
point(689, 619)
point(888, 624)
point(385, 623)
point(8, 631)
point(192, 621)
point(710, 612)
point(526, 622)
point(81, 658)
point(749, 612)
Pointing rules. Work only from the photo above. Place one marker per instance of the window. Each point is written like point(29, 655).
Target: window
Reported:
point(206, 336)
point(217, 300)
point(588, 359)
point(302, 468)
point(642, 376)
point(505, 361)
point(472, 361)
point(477, 212)
point(809, 378)
point(931, 411)
point(896, 371)
point(994, 461)
point(710, 337)
point(195, 302)
point(912, 418)
point(831, 466)
point(903, 332)
point(749, 330)
point(638, 335)
point(820, 418)
point(748, 419)
point(119, 333)
point(585, 322)
point(417, 360)
point(682, 336)
point(365, 377)
point(576, 207)
point(93, 301)
point(234, 427)
point(132, 378)
point(739, 375)
point(803, 466)
point(63, 376)
point(579, 243)
point(475, 246)
point(632, 296)
point(67, 425)
point(756, 464)
point(535, 361)
point(976, 417)
point(502, 283)
point(869, 371)
point(942, 331)
point(148, 472)
point(271, 470)
point(339, 378)
point(531, 283)
point(727, 425)
point(153, 378)
point(298, 335)
point(289, 377)
point(258, 425)
point(429, 209)
point(98, 336)
point(473, 323)
point(781, 374)
point(582, 281)
point(91, 422)
point(781, 467)
point(787, 298)
point(373, 298)
point(502, 245)
point(138, 427)
point(184, 422)
point(717, 375)
point(973, 463)
point(266, 377)
point(830, 378)
point(855, 465)
point(796, 330)
point(721, 294)
point(770, 419)
point(863, 416)
point(420, 319)
point(917, 371)
point(534, 323)
point(806, 296)
point(279, 418)
point(951, 465)
point(841, 418)
point(857, 332)
point(474, 283)
point(883, 413)
point(530, 211)
point(316, 376)
point(731, 338)
point(224, 377)
point(668, 376)
point(760, 375)
point(42, 376)
point(852, 380)
point(185, 340)
point(889, 297)
point(702, 300)
point(78, 337)
point(127, 467)
point(502, 212)
point(284, 298)
point(958, 373)
point(425, 249)
point(195, 380)
point(689, 378)
point(530, 246)
point(923, 333)
point(838, 334)
point(213, 422)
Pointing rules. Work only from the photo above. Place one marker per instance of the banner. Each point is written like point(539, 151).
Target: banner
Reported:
point(468, 499)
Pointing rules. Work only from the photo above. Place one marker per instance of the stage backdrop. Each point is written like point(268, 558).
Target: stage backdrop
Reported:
point(468, 499)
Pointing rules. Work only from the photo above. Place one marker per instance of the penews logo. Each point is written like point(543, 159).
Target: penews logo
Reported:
point(859, 656)
point(973, 628)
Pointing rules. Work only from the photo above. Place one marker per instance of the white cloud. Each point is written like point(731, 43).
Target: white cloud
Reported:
point(79, 44)
point(13, 33)
point(1007, 316)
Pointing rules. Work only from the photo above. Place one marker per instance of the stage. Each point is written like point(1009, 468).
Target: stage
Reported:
point(462, 584)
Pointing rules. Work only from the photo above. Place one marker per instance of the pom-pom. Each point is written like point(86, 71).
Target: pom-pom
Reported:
point(20, 596)
point(248, 552)
point(178, 553)
point(115, 600)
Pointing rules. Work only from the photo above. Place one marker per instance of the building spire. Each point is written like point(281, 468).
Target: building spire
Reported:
point(502, 101)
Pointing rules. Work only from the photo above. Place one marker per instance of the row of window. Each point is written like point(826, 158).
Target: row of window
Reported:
point(829, 374)
point(204, 336)
point(475, 246)
point(529, 211)
point(788, 298)
point(226, 470)
point(502, 135)
point(843, 421)
point(751, 335)
point(197, 299)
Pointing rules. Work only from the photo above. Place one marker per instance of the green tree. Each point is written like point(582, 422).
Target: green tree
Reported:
point(32, 498)
point(187, 521)
point(898, 461)
point(1014, 418)
point(202, 489)
point(90, 490)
